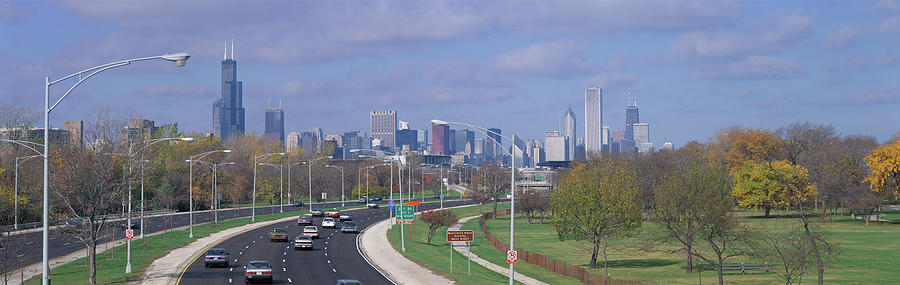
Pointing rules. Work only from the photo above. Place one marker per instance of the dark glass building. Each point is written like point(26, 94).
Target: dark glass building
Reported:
point(274, 125)
point(231, 106)
point(631, 118)
point(440, 139)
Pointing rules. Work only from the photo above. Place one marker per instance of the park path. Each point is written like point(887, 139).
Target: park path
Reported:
point(375, 247)
point(460, 247)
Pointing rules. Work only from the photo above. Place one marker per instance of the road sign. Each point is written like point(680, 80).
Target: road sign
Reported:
point(405, 213)
point(460, 236)
point(413, 203)
point(129, 234)
point(442, 197)
point(511, 256)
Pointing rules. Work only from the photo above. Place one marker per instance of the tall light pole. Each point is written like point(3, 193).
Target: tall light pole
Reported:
point(281, 178)
point(214, 201)
point(129, 158)
point(191, 161)
point(512, 182)
point(341, 168)
point(19, 160)
point(255, 162)
point(289, 179)
point(179, 58)
point(309, 169)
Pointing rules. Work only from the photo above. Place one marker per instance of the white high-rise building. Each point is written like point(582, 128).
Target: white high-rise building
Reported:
point(292, 141)
point(383, 126)
point(556, 147)
point(593, 119)
point(403, 125)
point(668, 146)
point(641, 133)
point(569, 131)
point(605, 136)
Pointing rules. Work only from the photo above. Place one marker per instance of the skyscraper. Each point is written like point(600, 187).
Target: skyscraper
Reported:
point(440, 135)
point(274, 124)
point(593, 119)
point(496, 145)
point(519, 152)
point(464, 141)
point(569, 131)
point(293, 141)
point(231, 105)
point(556, 147)
point(605, 138)
point(383, 125)
point(76, 132)
point(631, 118)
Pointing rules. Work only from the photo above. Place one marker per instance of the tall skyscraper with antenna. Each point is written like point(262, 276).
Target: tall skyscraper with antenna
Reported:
point(228, 111)
point(631, 118)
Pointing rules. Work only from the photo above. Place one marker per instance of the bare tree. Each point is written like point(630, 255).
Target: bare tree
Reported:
point(493, 183)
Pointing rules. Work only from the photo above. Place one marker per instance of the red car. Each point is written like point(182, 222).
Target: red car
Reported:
point(334, 213)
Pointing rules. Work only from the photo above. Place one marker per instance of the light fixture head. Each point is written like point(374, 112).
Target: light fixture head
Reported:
point(187, 160)
point(438, 122)
point(187, 139)
point(226, 151)
point(180, 58)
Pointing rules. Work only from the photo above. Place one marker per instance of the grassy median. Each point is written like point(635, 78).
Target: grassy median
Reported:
point(111, 264)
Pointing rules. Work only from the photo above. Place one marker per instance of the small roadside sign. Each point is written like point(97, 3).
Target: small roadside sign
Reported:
point(129, 234)
point(442, 197)
point(413, 203)
point(511, 256)
point(460, 236)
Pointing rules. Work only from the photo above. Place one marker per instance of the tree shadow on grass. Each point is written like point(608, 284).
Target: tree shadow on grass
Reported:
point(634, 263)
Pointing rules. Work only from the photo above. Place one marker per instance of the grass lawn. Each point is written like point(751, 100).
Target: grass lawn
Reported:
point(436, 255)
point(111, 264)
point(866, 256)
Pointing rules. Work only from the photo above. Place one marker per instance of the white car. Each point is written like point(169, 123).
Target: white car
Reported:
point(311, 231)
point(372, 205)
point(345, 217)
point(328, 223)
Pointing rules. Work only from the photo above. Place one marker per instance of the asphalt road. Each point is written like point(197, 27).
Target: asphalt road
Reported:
point(23, 250)
point(334, 256)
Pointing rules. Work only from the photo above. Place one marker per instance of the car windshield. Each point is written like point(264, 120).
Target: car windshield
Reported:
point(349, 224)
point(307, 216)
point(328, 220)
point(309, 229)
point(280, 231)
point(258, 265)
point(303, 237)
point(216, 252)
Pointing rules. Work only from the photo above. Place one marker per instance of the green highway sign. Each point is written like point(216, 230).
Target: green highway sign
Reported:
point(405, 212)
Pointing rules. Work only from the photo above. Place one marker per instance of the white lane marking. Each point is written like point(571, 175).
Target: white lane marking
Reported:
point(329, 261)
point(230, 269)
point(284, 269)
point(247, 246)
point(239, 253)
point(260, 236)
point(283, 260)
point(290, 281)
point(29, 243)
point(254, 241)
point(235, 260)
point(68, 243)
point(326, 254)
point(285, 253)
point(332, 270)
point(229, 280)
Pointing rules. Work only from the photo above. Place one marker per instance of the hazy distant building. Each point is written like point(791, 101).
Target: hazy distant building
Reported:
point(605, 137)
point(465, 141)
point(338, 139)
point(422, 138)
point(645, 147)
point(230, 107)
point(440, 139)
point(496, 144)
point(556, 147)
point(641, 133)
point(593, 119)
point(668, 146)
point(518, 152)
point(402, 125)
point(570, 131)
point(479, 146)
point(274, 125)
point(537, 155)
point(407, 137)
point(292, 142)
point(139, 130)
point(383, 126)
point(309, 141)
point(579, 150)
point(76, 132)
point(631, 118)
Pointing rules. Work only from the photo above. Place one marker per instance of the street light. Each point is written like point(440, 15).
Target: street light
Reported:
point(309, 168)
point(191, 161)
point(130, 157)
point(291, 165)
point(281, 179)
point(16, 199)
point(255, 162)
point(179, 58)
point(396, 160)
point(214, 202)
point(341, 168)
point(512, 182)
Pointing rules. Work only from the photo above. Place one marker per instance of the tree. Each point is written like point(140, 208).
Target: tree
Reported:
point(789, 246)
point(596, 201)
point(753, 145)
point(884, 164)
point(437, 219)
point(720, 234)
point(767, 185)
point(680, 200)
point(493, 183)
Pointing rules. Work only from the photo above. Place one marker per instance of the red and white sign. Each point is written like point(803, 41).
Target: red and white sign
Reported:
point(511, 256)
point(427, 178)
point(129, 234)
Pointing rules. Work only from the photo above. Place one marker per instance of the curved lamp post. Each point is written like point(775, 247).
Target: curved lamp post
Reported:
point(214, 201)
point(281, 179)
point(309, 168)
point(255, 162)
point(341, 168)
point(195, 158)
point(512, 187)
point(19, 160)
point(179, 58)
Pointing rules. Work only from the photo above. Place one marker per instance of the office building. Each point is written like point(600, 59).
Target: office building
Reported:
point(605, 137)
point(231, 106)
point(641, 133)
point(76, 132)
point(569, 131)
point(274, 125)
point(593, 119)
point(646, 147)
point(139, 130)
point(383, 126)
point(579, 150)
point(440, 139)
point(556, 147)
point(338, 139)
point(309, 141)
point(479, 147)
point(668, 146)
point(292, 142)
point(496, 144)
point(422, 138)
point(518, 151)
point(464, 141)
point(631, 118)
point(408, 138)
point(402, 125)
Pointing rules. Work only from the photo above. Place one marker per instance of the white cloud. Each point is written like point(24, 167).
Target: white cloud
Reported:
point(843, 37)
point(774, 36)
point(555, 59)
point(170, 90)
point(613, 80)
point(755, 67)
point(879, 96)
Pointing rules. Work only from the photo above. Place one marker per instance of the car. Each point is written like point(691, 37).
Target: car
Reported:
point(298, 203)
point(306, 219)
point(215, 256)
point(349, 227)
point(258, 270)
point(348, 282)
point(303, 242)
point(334, 213)
point(362, 200)
point(376, 198)
point(135, 224)
point(372, 205)
point(278, 234)
point(311, 231)
point(328, 223)
point(316, 212)
point(345, 217)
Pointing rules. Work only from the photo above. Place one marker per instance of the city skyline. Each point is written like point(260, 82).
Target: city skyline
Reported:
point(698, 67)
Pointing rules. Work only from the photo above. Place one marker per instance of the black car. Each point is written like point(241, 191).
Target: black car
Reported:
point(135, 224)
point(298, 203)
point(376, 198)
point(349, 227)
point(215, 256)
point(305, 219)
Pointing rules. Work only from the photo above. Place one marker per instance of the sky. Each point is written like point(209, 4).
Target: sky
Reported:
point(695, 67)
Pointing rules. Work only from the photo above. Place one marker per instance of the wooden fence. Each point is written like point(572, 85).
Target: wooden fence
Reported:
point(547, 262)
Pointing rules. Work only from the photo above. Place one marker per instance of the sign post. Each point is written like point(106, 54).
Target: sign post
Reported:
point(466, 236)
point(405, 214)
point(129, 234)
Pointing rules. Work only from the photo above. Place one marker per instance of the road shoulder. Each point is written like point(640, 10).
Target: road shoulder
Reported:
point(377, 250)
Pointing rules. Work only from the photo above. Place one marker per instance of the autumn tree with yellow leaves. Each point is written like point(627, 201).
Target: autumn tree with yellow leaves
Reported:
point(884, 164)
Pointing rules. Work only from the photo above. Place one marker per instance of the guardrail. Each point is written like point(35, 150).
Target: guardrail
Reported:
point(34, 225)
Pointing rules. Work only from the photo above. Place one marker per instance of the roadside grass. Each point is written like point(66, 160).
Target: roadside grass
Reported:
point(436, 255)
point(864, 258)
point(111, 264)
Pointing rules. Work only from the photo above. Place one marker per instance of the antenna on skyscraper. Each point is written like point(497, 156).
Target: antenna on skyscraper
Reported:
point(232, 48)
point(225, 56)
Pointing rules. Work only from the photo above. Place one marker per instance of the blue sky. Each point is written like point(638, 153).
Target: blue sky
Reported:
point(696, 66)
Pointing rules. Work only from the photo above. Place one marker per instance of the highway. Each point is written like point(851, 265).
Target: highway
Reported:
point(334, 256)
point(25, 249)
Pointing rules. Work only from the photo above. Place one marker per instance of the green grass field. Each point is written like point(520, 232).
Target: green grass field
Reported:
point(867, 253)
point(111, 264)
